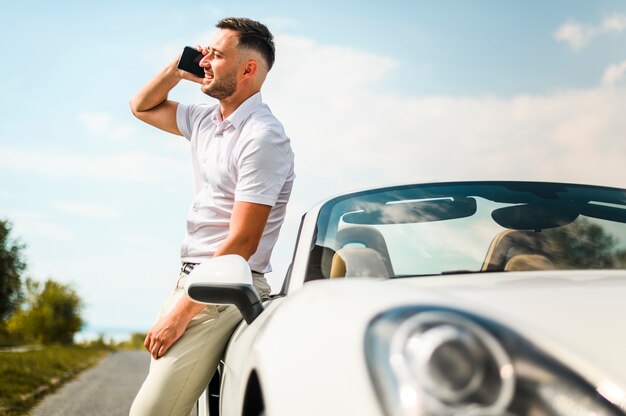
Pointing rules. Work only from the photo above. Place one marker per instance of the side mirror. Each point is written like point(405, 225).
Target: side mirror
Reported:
point(225, 280)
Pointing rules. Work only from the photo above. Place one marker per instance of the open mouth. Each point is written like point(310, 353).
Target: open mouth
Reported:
point(208, 76)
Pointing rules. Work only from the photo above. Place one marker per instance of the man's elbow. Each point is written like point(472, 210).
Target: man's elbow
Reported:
point(141, 114)
point(134, 107)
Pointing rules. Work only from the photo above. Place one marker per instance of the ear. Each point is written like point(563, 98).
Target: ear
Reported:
point(249, 69)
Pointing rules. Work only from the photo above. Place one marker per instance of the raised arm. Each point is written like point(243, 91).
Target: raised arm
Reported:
point(151, 105)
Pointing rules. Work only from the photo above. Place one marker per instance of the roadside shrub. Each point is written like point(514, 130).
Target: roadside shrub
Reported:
point(51, 316)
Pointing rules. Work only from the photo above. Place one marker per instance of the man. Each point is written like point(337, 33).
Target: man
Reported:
point(243, 171)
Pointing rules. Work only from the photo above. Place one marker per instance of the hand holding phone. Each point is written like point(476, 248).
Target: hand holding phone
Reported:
point(190, 61)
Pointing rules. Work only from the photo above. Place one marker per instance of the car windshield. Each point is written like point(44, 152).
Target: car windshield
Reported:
point(469, 227)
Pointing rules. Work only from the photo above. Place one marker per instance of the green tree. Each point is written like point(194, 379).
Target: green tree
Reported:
point(52, 314)
point(11, 267)
point(584, 244)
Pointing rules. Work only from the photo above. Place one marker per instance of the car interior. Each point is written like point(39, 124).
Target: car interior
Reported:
point(518, 250)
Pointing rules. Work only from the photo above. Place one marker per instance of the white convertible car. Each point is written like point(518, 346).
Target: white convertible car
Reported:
point(470, 298)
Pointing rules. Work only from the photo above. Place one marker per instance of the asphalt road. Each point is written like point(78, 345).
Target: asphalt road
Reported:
point(108, 389)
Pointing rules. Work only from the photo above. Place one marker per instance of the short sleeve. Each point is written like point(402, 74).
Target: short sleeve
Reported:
point(264, 165)
point(188, 117)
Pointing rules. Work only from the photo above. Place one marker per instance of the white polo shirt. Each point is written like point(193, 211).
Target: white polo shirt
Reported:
point(246, 157)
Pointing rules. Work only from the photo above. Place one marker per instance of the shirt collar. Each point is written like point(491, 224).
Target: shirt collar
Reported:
point(245, 109)
point(240, 114)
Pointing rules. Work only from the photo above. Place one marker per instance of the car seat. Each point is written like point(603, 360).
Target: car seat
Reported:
point(512, 243)
point(361, 252)
point(527, 262)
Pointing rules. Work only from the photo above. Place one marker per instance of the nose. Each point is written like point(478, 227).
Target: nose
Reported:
point(205, 62)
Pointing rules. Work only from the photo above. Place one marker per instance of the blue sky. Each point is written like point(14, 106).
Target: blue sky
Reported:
point(370, 93)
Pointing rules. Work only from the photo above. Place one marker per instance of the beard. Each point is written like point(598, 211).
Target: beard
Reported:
point(222, 87)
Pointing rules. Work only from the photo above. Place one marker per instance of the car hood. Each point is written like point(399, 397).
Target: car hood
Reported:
point(578, 317)
point(574, 317)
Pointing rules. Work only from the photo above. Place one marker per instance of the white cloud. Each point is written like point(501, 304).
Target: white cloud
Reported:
point(30, 223)
point(96, 122)
point(614, 74)
point(277, 24)
point(348, 135)
point(101, 123)
point(130, 166)
point(615, 23)
point(121, 132)
point(87, 210)
point(574, 34)
point(578, 35)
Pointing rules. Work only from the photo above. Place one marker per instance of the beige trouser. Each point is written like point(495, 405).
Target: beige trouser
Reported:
point(177, 379)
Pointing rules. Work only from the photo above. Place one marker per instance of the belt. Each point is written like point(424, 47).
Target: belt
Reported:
point(188, 267)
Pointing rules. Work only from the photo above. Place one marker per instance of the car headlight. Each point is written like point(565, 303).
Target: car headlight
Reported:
point(445, 362)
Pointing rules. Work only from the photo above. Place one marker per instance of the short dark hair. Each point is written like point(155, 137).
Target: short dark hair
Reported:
point(253, 35)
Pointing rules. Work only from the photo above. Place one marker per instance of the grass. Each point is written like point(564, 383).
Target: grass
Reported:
point(26, 376)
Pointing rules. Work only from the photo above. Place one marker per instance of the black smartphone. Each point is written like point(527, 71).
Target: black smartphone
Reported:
point(190, 61)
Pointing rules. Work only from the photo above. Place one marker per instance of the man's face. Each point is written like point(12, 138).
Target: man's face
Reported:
point(221, 65)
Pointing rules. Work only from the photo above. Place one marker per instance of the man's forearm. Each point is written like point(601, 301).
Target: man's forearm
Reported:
point(156, 90)
point(241, 246)
point(186, 309)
